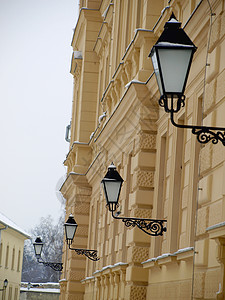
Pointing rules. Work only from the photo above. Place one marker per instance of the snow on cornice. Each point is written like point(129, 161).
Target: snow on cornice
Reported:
point(9, 223)
point(168, 254)
point(110, 267)
point(77, 55)
point(133, 81)
point(184, 250)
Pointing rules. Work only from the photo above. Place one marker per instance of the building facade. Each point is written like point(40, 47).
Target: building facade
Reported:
point(11, 257)
point(39, 291)
point(167, 173)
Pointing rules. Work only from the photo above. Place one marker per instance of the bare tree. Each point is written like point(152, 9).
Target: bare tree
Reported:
point(52, 236)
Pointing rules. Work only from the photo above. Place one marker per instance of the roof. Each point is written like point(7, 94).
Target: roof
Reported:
point(9, 223)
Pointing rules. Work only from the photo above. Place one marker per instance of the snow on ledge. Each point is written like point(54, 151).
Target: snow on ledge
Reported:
point(133, 81)
point(149, 260)
point(168, 254)
point(184, 250)
point(88, 278)
point(164, 256)
point(110, 267)
point(215, 226)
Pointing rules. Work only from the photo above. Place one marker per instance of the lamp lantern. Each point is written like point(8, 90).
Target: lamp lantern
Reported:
point(5, 283)
point(38, 245)
point(70, 229)
point(112, 183)
point(171, 58)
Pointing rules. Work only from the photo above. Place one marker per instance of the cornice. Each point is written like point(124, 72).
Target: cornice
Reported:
point(130, 95)
point(85, 14)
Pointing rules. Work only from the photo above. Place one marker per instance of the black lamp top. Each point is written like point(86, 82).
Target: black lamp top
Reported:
point(38, 240)
point(113, 174)
point(71, 220)
point(173, 35)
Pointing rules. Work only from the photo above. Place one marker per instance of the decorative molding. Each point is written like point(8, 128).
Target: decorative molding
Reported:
point(144, 178)
point(147, 141)
point(199, 283)
point(138, 292)
point(141, 213)
point(139, 253)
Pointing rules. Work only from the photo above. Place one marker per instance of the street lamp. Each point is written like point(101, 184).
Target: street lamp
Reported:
point(38, 245)
point(171, 58)
point(5, 283)
point(112, 183)
point(70, 229)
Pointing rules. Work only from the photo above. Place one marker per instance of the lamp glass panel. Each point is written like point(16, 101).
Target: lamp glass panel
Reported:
point(112, 190)
point(174, 65)
point(38, 248)
point(156, 69)
point(70, 231)
point(5, 283)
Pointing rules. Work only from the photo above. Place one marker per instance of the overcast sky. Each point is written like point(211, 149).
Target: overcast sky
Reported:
point(36, 99)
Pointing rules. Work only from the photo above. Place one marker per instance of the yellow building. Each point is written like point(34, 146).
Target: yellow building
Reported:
point(167, 173)
point(11, 257)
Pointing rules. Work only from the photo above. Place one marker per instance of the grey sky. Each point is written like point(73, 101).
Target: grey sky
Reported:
point(36, 99)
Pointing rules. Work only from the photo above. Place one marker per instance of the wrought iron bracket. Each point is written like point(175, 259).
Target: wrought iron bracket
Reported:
point(55, 266)
point(150, 226)
point(204, 134)
point(90, 254)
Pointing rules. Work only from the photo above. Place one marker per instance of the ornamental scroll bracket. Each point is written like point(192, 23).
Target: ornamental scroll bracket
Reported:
point(204, 134)
point(150, 226)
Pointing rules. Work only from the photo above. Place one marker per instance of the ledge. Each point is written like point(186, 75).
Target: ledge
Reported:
point(167, 258)
point(185, 253)
point(150, 263)
point(87, 279)
point(111, 268)
point(216, 231)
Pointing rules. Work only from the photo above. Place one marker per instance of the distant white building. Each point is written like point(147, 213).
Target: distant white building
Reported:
point(11, 257)
point(39, 291)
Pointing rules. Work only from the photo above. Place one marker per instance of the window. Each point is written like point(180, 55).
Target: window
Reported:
point(0, 254)
point(13, 258)
point(18, 264)
point(7, 257)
